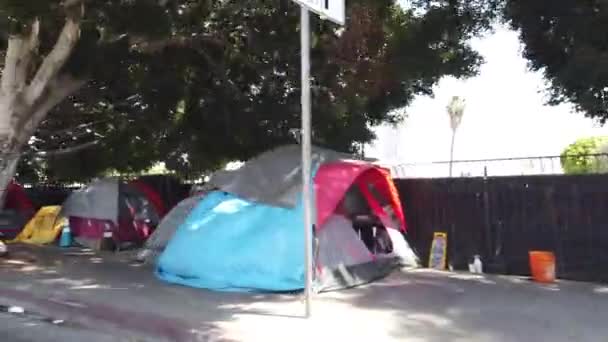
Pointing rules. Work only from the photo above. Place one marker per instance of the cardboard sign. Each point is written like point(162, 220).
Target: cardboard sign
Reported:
point(438, 254)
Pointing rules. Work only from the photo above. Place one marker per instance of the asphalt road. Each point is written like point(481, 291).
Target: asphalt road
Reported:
point(17, 328)
point(101, 296)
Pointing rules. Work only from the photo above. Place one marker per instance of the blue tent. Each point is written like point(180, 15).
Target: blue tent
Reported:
point(248, 236)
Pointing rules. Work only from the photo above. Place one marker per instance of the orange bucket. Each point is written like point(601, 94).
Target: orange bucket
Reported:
point(542, 266)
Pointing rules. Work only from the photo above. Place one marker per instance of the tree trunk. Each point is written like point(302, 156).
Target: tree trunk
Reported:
point(24, 103)
point(10, 147)
point(8, 167)
point(452, 152)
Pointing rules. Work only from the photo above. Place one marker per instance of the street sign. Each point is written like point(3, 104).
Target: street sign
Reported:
point(333, 10)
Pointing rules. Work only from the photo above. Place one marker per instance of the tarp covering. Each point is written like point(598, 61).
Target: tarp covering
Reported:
point(228, 243)
point(277, 175)
point(43, 228)
point(97, 201)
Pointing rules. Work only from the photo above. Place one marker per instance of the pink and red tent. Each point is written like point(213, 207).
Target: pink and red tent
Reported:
point(334, 179)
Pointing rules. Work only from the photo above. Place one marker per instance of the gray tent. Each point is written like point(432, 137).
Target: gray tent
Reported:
point(111, 208)
point(99, 200)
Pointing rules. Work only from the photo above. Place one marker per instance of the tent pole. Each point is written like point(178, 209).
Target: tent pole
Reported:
point(306, 154)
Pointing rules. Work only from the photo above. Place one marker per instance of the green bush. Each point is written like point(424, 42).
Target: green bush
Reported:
point(582, 157)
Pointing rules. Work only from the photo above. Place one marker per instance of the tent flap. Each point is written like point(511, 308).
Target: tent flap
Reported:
point(355, 275)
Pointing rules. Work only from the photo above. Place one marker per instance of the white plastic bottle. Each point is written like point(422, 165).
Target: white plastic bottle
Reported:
point(3, 249)
point(477, 264)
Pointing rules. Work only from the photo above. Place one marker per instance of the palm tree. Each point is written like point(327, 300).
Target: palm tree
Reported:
point(455, 110)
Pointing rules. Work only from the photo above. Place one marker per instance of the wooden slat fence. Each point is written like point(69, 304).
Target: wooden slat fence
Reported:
point(502, 218)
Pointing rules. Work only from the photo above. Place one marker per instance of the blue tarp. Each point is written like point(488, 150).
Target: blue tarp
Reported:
point(231, 244)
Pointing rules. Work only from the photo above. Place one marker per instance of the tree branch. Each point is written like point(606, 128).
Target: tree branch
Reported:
point(64, 151)
point(144, 45)
point(59, 89)
point(18, 58)
point(71, 3)
point(28, 54)
point(57, 58)
point(9, 73)
point(70, 129)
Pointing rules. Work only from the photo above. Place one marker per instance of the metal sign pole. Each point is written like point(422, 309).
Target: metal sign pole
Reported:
point(306, 155)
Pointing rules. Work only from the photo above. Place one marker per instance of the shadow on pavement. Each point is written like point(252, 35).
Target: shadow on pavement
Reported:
point(111, 292)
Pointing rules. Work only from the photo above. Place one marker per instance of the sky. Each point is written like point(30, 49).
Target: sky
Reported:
point(505, 114)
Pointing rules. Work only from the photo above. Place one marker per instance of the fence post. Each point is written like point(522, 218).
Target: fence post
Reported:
point(451, 249)
point(487, 221)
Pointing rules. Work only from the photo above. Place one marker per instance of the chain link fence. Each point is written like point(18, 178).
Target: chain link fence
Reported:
point(526, 166)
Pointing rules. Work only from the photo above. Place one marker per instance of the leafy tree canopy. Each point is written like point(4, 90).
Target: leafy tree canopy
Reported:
point(567, 41)
point(196, 83)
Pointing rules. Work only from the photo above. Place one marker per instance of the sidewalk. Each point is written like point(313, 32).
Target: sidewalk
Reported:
point(108, 294)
